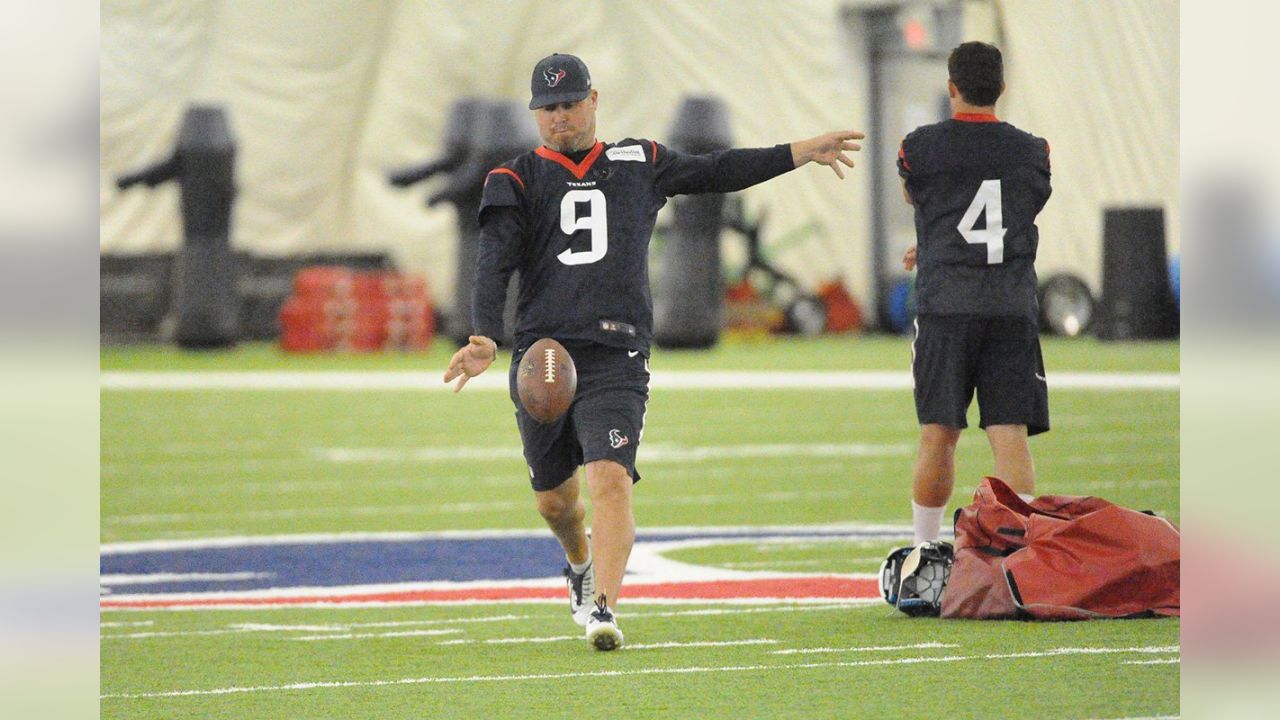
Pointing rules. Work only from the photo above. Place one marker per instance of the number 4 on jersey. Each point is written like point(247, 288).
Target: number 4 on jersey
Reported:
point(988, 198)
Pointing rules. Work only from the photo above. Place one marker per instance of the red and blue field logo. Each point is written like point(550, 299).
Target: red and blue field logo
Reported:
point(449, 567)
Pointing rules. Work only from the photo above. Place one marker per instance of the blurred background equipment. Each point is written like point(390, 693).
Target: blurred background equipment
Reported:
point(203, 163)
point(900, 307)
point(464, 116)
point(321, 118)
point(481, 134)
point(135, 295)
point(843, 312)
point(1066, 305)
point(688, 299)
point(906, 58)
point(801, 311)
point(1137, 300)
point(335, 308)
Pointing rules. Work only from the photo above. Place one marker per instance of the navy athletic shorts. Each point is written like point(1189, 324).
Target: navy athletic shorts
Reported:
point(998, 356)
point(605, 421)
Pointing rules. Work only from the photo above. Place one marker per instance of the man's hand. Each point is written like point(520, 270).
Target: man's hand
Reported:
point(472, 359)
point(827, 150)
point(909, 259)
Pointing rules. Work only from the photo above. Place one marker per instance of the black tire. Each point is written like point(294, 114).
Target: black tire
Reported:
point(1067, 306)
point(807, 316)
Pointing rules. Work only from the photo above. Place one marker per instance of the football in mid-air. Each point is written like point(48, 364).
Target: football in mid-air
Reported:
point(546, 380)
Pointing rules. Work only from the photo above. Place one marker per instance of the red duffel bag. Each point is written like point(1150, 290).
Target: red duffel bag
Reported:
point(1060, 558)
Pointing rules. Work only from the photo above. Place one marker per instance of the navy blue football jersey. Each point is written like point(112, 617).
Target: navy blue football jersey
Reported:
point(577, 228)
point(977, 185)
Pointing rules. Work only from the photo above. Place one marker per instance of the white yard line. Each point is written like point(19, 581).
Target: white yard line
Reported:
point(816, 533)
point(708, 643)
point(174, 633)
point(514, 640)
point(771, 563)
point(660, 380)
point(578, 638)
point(734, 611)
point(362, 636)
point(123, 579)
point(651, 454)
point(870, 648)
point(238, 628)
point(320, 685)
point(455, 508)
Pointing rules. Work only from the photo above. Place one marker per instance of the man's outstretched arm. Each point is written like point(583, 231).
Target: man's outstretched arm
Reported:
point(740, 168)
point(828, 149)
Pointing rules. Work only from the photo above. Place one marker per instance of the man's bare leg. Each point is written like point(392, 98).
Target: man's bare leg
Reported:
point(613, 526)
point(933, 478)
point(564, 511)
point(1012, 455)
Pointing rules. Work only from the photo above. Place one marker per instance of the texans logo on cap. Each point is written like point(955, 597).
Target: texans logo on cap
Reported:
point(553, 76)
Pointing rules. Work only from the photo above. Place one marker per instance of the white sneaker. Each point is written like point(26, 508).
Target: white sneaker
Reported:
point(602, 627)
point(582, 587)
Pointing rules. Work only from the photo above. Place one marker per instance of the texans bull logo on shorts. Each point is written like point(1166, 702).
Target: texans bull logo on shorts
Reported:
point(617, 439)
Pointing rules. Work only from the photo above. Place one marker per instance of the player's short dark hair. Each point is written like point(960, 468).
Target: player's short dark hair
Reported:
point(977, 69)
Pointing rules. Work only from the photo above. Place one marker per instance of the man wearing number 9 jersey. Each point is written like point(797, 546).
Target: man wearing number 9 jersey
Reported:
point(574, 217)
point(977, 185)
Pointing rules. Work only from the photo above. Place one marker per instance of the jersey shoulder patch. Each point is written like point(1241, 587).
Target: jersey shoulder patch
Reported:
point(634, 150)
point(626, 153)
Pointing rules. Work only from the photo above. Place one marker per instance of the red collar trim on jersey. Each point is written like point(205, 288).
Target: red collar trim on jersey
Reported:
point(579, 170)
point(975, 117)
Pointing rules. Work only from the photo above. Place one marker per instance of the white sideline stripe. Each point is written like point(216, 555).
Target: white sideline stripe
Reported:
point(660, 380)
point(237, 628)
point(706, 643)
point(623, 673)
point(457, 508)
point(361, 636)
point(173, 633)
point(1164, 661)
point(735, 611)
point(139, 623)
point(410, 623)
point(381, 604)
point(852, 530)
point(513, 641)
point(179, 577)
point(773, 563)
point(870, 648)
point(652, 453)
point(649, 646)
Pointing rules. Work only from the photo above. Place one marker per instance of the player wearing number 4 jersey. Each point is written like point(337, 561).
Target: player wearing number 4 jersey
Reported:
point(574, 217)
point(977, 185)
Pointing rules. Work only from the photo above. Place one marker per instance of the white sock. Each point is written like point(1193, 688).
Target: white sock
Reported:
point(927, 521)
point(583, 567)
point(1026, 497)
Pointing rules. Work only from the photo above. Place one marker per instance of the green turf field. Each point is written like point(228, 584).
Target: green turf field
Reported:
point(200, 464)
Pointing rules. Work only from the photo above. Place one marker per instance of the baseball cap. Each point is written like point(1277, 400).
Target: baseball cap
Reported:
point(559, 78)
